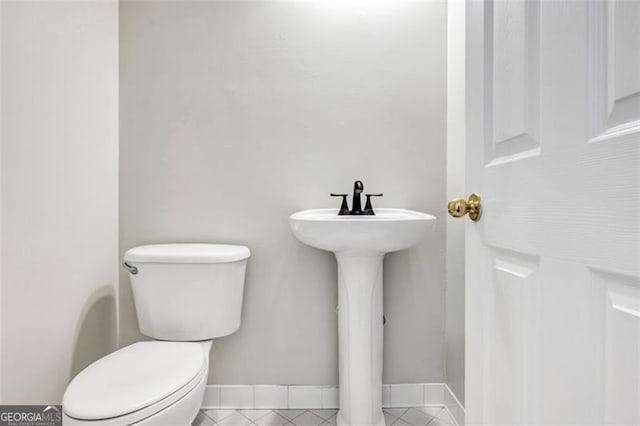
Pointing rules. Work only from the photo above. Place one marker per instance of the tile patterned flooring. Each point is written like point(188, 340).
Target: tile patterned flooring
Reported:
point(417, 416)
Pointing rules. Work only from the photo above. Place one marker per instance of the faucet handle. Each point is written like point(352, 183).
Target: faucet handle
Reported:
point(344, 208)
point(368, 208)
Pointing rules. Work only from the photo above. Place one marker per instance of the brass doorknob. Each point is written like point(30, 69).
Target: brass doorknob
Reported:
point(458, 207)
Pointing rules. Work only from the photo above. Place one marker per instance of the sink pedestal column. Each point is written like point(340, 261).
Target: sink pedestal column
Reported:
point(360, 338)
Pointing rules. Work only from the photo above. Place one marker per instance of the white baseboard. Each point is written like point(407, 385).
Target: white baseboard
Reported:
point(453, 405)
point(319, 396)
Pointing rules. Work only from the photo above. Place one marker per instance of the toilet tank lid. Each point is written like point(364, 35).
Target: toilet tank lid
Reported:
point(187, 253)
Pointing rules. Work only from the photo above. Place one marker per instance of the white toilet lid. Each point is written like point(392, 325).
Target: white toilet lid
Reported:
point(132, 378)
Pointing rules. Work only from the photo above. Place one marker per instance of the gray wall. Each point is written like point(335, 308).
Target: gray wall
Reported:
point(236, 114)
point(59, 114)
point(455, 188)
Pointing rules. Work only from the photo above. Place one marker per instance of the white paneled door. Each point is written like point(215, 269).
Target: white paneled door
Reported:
point(553, 265)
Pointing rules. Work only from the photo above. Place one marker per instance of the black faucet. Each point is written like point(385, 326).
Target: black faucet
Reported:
point(356, 204)
point(356, 208)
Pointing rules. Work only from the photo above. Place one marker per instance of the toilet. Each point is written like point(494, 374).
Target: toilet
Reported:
point(185, 296)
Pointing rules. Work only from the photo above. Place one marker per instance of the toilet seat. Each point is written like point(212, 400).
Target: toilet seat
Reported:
point(135, 382)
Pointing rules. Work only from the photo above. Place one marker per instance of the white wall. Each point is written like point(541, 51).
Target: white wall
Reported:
point(1, 133)
point(236, 114)
point(455, 188)
point(59, 193)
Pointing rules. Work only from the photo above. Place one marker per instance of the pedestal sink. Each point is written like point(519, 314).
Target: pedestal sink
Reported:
point(360, 243)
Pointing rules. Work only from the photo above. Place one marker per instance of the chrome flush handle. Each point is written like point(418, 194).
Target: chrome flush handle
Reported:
point(132, 269)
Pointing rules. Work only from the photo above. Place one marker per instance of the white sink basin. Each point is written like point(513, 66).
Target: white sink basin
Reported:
point(389, 230)
point(360, 243)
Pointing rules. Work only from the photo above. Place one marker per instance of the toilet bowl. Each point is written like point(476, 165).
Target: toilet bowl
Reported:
point(185, 295)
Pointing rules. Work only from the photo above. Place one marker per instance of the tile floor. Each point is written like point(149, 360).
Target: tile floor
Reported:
point(418, 416)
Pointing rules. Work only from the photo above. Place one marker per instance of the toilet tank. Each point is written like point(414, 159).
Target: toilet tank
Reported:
point(187, 292)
